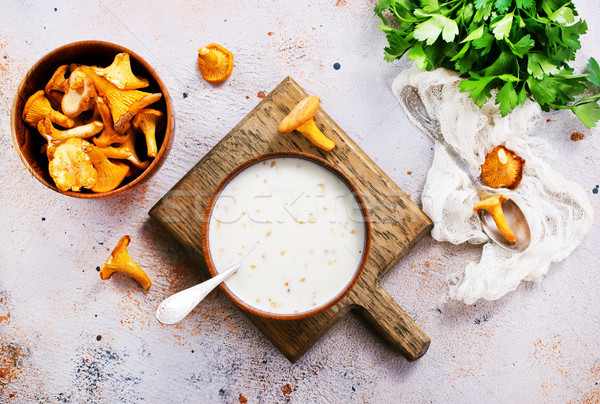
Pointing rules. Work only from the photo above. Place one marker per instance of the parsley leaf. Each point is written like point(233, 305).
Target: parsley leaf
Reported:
point(502, 5)
point(523, 46)
point(430, 30)
point(480, 89)
point(589, 113)
point(594, 72)
point(525, 4)
point(539, 65)
point(507, 98)
point(501, 28)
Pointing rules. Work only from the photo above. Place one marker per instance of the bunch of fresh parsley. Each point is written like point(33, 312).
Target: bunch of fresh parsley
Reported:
point(520, 47)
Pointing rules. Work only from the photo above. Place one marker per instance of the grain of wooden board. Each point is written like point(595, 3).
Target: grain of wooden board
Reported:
point(397, 222)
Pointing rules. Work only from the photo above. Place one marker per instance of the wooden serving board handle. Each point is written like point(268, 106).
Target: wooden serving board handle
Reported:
point(380, 309)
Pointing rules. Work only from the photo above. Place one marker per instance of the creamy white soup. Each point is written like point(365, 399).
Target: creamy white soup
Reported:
point(295, 228)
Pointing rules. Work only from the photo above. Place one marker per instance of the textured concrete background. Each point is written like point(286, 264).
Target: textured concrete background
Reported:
point(66, 336)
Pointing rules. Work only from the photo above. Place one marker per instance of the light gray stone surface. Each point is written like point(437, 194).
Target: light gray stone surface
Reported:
point(538, 344)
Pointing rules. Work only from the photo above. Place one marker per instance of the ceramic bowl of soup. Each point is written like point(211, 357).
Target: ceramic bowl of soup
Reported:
point(297, 226)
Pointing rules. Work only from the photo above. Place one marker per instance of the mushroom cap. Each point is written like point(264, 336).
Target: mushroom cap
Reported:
point(502, 168)
point(36, 108)
point(120, 74)
point(302, 112)
point(58, 82)
point(71, 167)
point(215, 63)
point(79, 96)
point(110, 174)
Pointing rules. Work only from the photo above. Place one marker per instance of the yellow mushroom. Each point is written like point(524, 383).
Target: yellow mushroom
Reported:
point(80, 95)
point(493, 205)
point(502, 168)
point(38, 107)
point(123, 104)
point(70, 166)
point(120, 261)
point(126, 151)
point(119, 73)
point(48, 130)
point(301, 119)
point(58, 82)
point(109, 135)
point(215, 63)
point(110, 174)
point(147, 120)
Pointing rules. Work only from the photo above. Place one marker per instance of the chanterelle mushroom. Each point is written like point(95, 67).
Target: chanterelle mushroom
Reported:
point(48, 130)
point(110, 174)
point(502, 168)
point(301, 119)
point(38, 107)
point(147, 120)
point(493, 205)
point(109, 135)
point(126, 151)
point(123, 104)
point(119, 73)
point(71, 167)
point(79, 96)
point(120, 261)
point(58, 82)
point(215, 63)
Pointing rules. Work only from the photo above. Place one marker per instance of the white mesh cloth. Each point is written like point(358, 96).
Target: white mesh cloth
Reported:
point(558, 211)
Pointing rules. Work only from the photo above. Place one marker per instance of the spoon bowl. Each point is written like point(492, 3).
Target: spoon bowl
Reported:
point(517, 222)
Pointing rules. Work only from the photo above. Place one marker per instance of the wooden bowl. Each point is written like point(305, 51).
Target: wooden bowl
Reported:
point(29, 142)
point(206, 241)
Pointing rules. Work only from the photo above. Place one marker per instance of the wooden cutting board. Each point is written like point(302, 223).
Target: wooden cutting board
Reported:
point(397, 223)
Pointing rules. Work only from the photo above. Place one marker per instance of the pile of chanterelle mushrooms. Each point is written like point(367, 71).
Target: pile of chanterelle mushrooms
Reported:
point(90, 117)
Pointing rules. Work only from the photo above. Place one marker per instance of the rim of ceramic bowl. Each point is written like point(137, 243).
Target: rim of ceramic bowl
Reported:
point(169, 128)
point(206, 227)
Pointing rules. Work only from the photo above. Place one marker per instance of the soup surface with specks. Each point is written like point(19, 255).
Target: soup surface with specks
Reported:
point(295, 228)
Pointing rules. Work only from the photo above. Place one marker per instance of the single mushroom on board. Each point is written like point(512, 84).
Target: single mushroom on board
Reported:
point(126, 151)
point(80, 95)
point(123, 104)
point(147, 121)
point(120, 261)
point(38, 107)
point(119, 73)
point(109, 135)
point(215, 63)
point(70, 166)
point(48, 131)
point(493, 205)
point(502, 168)
point(110, 174)
point(301, 119)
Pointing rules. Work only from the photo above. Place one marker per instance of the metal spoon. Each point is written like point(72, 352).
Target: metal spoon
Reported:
point(514, 215)
point(174, 308)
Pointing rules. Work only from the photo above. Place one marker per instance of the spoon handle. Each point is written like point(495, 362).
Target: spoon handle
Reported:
point(414, 105)
point(174, 308)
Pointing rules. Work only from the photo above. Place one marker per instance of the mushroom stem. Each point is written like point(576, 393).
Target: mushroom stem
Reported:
point(316, 137)
point(210, 58)
point(493, 205)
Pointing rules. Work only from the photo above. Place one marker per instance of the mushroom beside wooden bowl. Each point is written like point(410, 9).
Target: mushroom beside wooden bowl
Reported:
point(29, 142)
